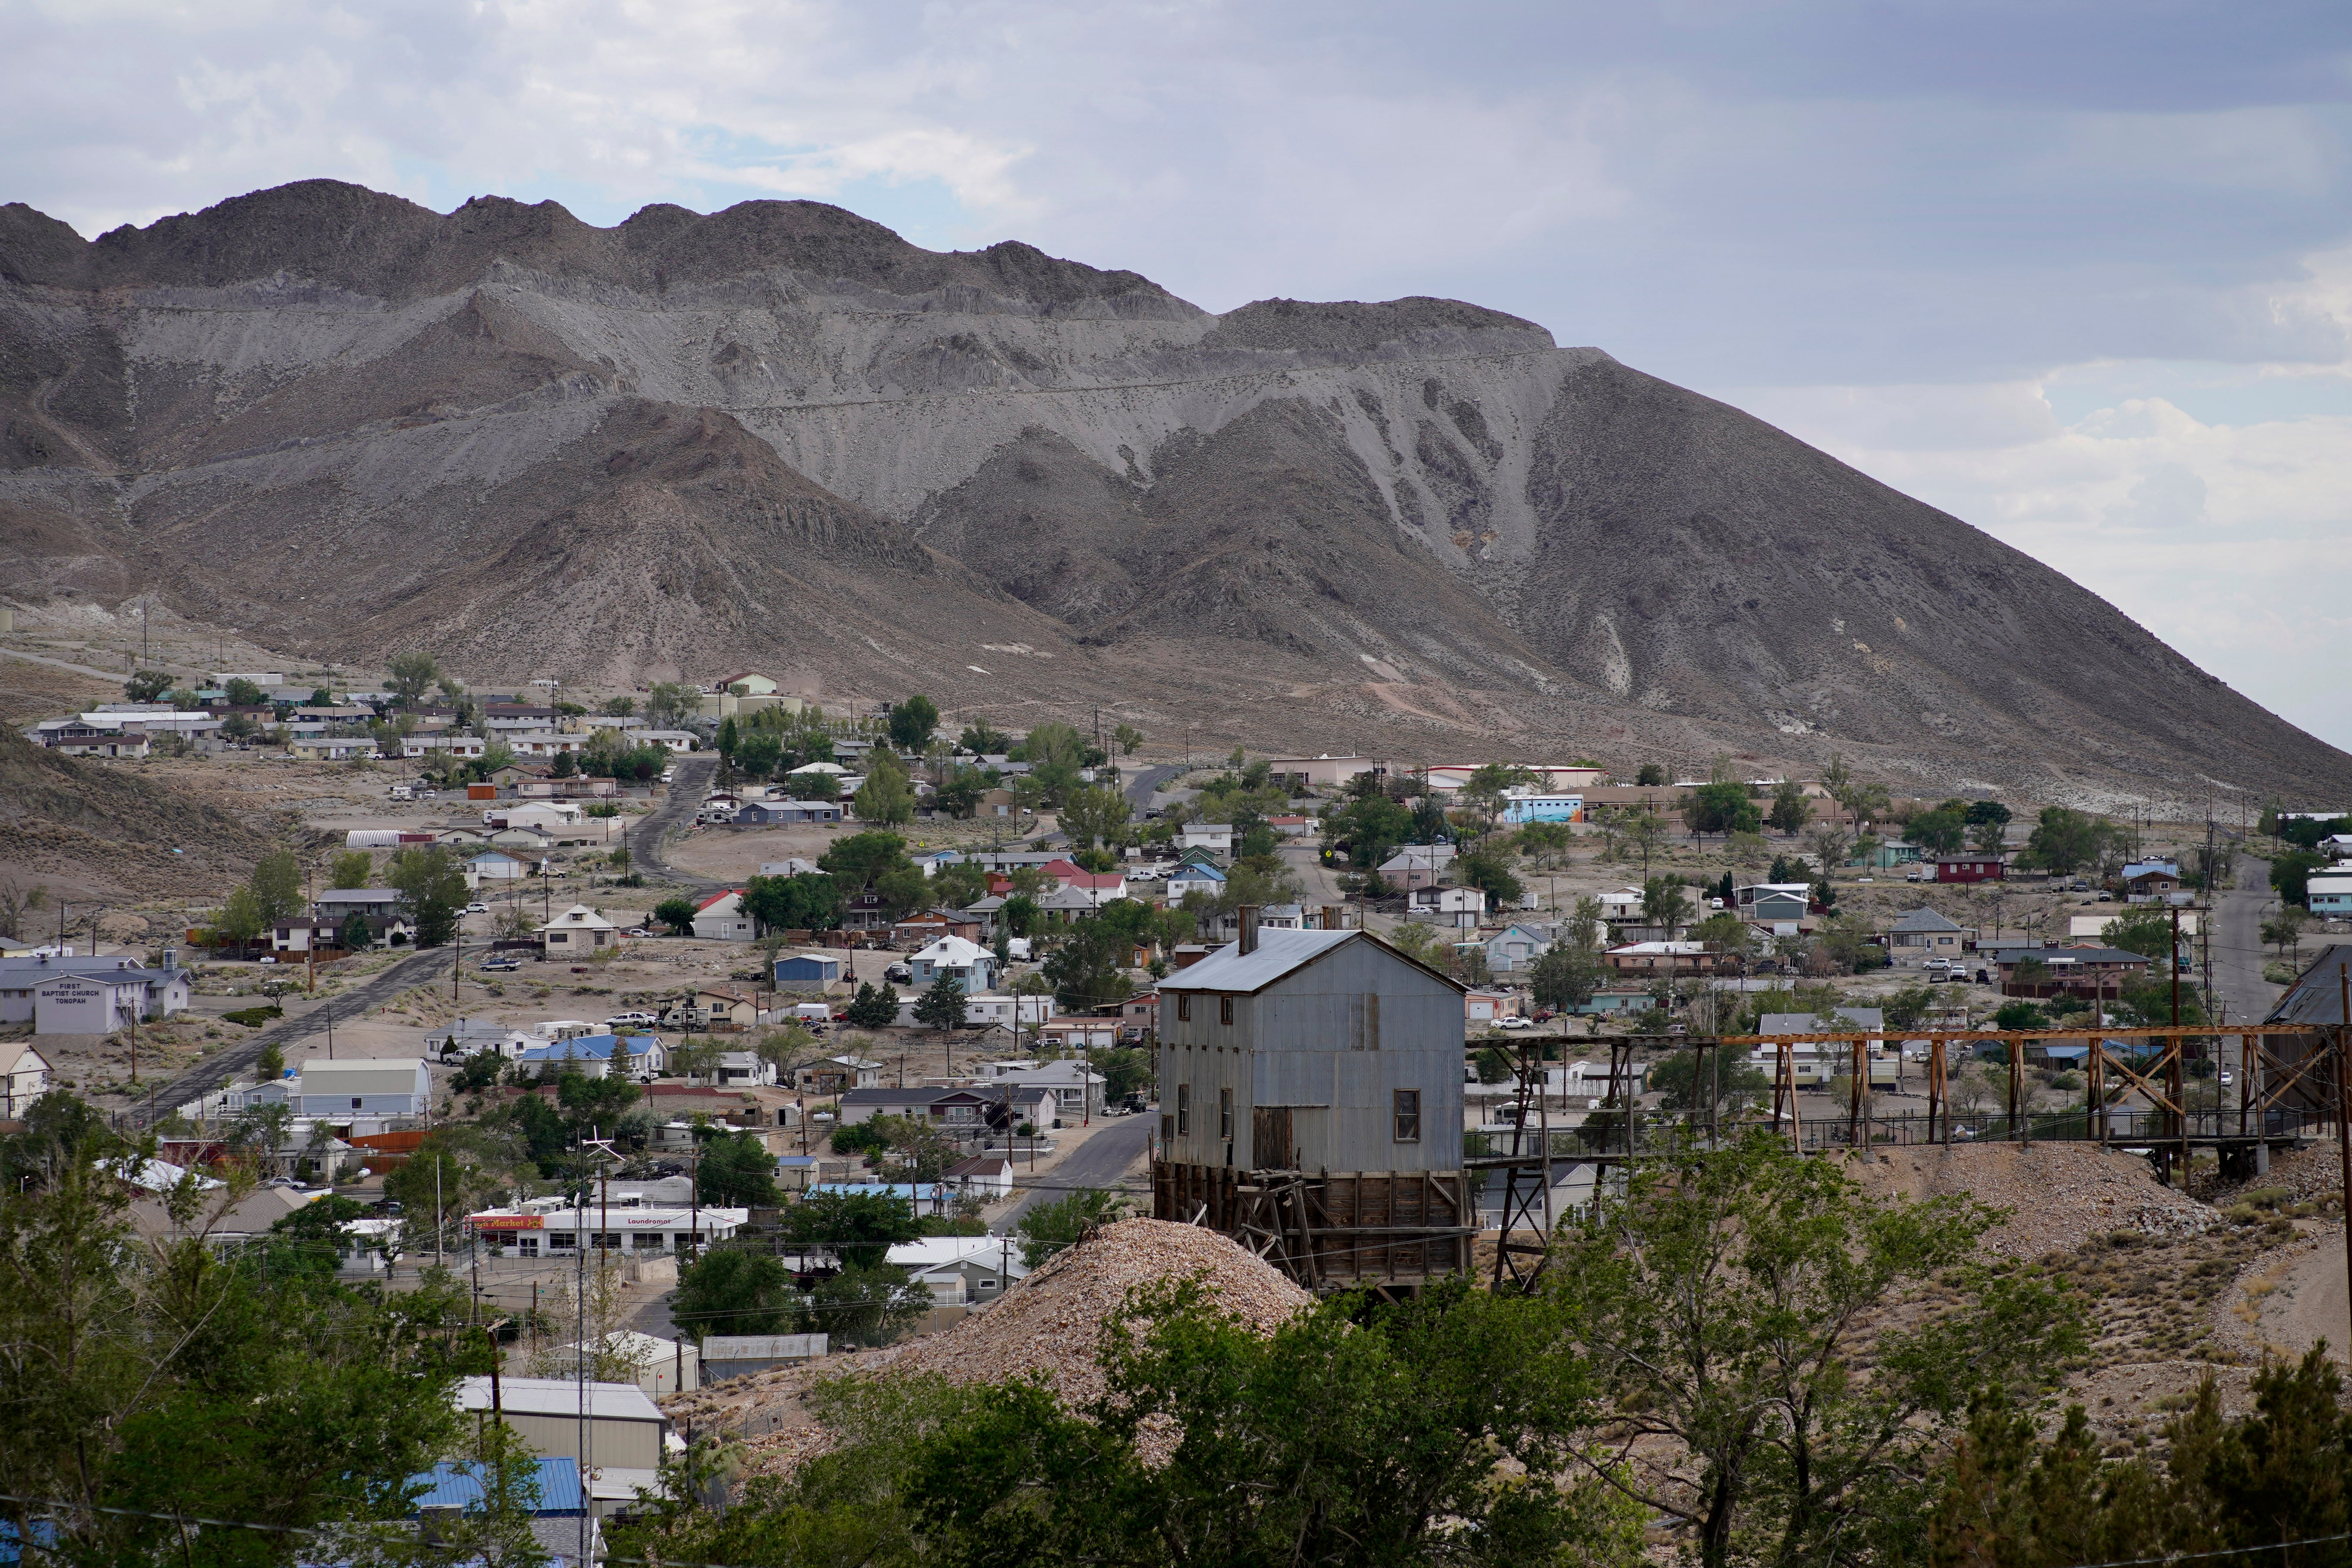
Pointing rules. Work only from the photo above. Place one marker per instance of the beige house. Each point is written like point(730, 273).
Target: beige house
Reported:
point(23, 1079)
point(578, 932)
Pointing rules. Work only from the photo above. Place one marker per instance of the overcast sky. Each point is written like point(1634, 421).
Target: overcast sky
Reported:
point(2080, 274)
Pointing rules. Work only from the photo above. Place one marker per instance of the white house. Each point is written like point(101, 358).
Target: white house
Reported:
point(1461, 907)
point(462, 1037)
point(968, 1269)
point(592, 1055)
point(999, 1007)
point(1515, 948)
point(549, 813)
point(578, 932)
point(1187, 880)
point(23, 1078)
point(720, 918)
point(971, 964)
point(383, 1086)
point(497, 865)
point(1216, 837)
point(1416, 865)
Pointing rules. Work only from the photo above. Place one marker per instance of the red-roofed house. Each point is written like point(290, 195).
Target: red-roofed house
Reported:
point(1101, 886)
point(721, 918)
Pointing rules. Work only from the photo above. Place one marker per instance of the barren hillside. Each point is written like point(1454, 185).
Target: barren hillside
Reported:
point(782, 435)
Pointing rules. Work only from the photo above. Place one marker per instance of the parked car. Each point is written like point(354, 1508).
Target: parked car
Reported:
point(619, 1020)
point(501, 966)
point(1136, 1105)
point(477, 908)
point(1515, 1022)
point(899, 975)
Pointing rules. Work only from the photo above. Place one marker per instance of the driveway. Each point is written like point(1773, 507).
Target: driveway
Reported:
point(418, 968)
point(1100, 1162)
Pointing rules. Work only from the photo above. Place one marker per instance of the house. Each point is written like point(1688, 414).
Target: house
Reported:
point(1814, 1060)
point(1515, 948)
point(1216, 837)
point(1078, 1032)
point(664, 1366)
point(836, 1074)
point(806, 971)
point(931, 924)
point(2150, 881)
point(497, 865)
point(1971, 868)
point(1066, 904)
point(463, 1037)
point(720, 918)
point(1321, 772)
point(382, 1086)
point(1139, 1016)
point(996, 803)
point(1186, 880)
point(547, 814)
point(967, 1269)
point(592, 1055)
point(1612, 1000)
point(380, 905)
point(1101, 886)
point(530, 838)
point(962, 1110)
point(1485, 1009)
point(973, 966)
point(2330, 893)
point(743, 1070)
point(578, 932)
point(868, 910)
point(986, 1177)
point(2089, 968)
point(23, 1078)
point(300, 933)
point(793, 866)
point(1077, 1090)
point(714, 1007)
point(1660, 959)
point(1460, 907)
point(998, 1009)
point(62, 994)
point(1621, 906)
point(625, 1430)
point(1886, 854)
point(785, 814)
point(1928, 934)
point(1310, 1050)
point(1777, 906)
point(1416, 865)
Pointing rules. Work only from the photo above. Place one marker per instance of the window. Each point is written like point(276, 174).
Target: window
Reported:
point(1184, 1007)
point(1408, 1115)
point(1225, 1010)
point(355, 1103)
point(561, 1241)
point(1183, 1110)
point(1224, 1113)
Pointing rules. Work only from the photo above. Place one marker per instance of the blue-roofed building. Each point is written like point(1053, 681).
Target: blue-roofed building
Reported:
point(928, 1198)
point(460, 1485)
point(648, 1059)
point(1195, 877)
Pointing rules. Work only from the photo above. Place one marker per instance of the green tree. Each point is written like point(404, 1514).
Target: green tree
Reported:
point(809, 901)
point(1662, 903)
point(1722, 1297)
point(1124, 1070)
point(2144, 929)
point(1649, 774)
point(146, 686)
point(432, 884)
point(728, 1291)
point(240, 920)
point(983, 739)
point(1685, 1084)
point(677, 914)
point(355, 868)
point(1490, 785)
point(243, 693)
point(1940, 831)
point(736, 1170)
point(2291, 872)
point(2063, 841)
point(412, 673)
point(912, 723)
point(278, 885)
point(959, 794)
point(1048, 1228)
point(863, 859)
point(1089, 969)
point(619, 707)
point(1019, 914)
point(1094, 815)
point(1721, 806)
point(872, 1008)
point(670, 703)
point(859, 1228)
point(1791, 809)
point(1491, 876)
point(1128, 738)
point(868, 1306)
point(1565, 976)
point(941, 1005)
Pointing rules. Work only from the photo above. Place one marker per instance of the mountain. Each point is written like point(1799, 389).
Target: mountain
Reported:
point(781, 436)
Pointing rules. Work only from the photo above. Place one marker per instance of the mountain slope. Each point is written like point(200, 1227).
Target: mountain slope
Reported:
point(782, 435)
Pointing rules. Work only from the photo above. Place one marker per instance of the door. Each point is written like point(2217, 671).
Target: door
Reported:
point(1272, 1146)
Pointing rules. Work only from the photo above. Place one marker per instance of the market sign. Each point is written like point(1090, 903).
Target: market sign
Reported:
point(509, 1222)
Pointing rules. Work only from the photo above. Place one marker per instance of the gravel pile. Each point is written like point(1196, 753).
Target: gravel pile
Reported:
point(1053, 1322)
point(2061, 1194)
point(2307, 1174)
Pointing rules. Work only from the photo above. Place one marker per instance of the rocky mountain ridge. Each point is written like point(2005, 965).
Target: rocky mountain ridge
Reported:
point(782, 435)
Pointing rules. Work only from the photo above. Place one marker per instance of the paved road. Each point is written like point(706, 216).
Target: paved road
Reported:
point(2238, 951)
point(1100, 1162)
point(1139, 788)
point(417, 968)
point(648, 837)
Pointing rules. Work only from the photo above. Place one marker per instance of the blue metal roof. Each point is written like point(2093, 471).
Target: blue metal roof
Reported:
point(586, 1045)
point(460, 1485)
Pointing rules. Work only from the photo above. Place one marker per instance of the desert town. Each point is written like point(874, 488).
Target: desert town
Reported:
point(751, 969)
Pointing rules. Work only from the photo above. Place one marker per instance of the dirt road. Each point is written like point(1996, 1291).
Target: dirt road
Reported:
point(2238, 951)
point(2312, 1301)
point(216, 1071)
point(650, 836)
